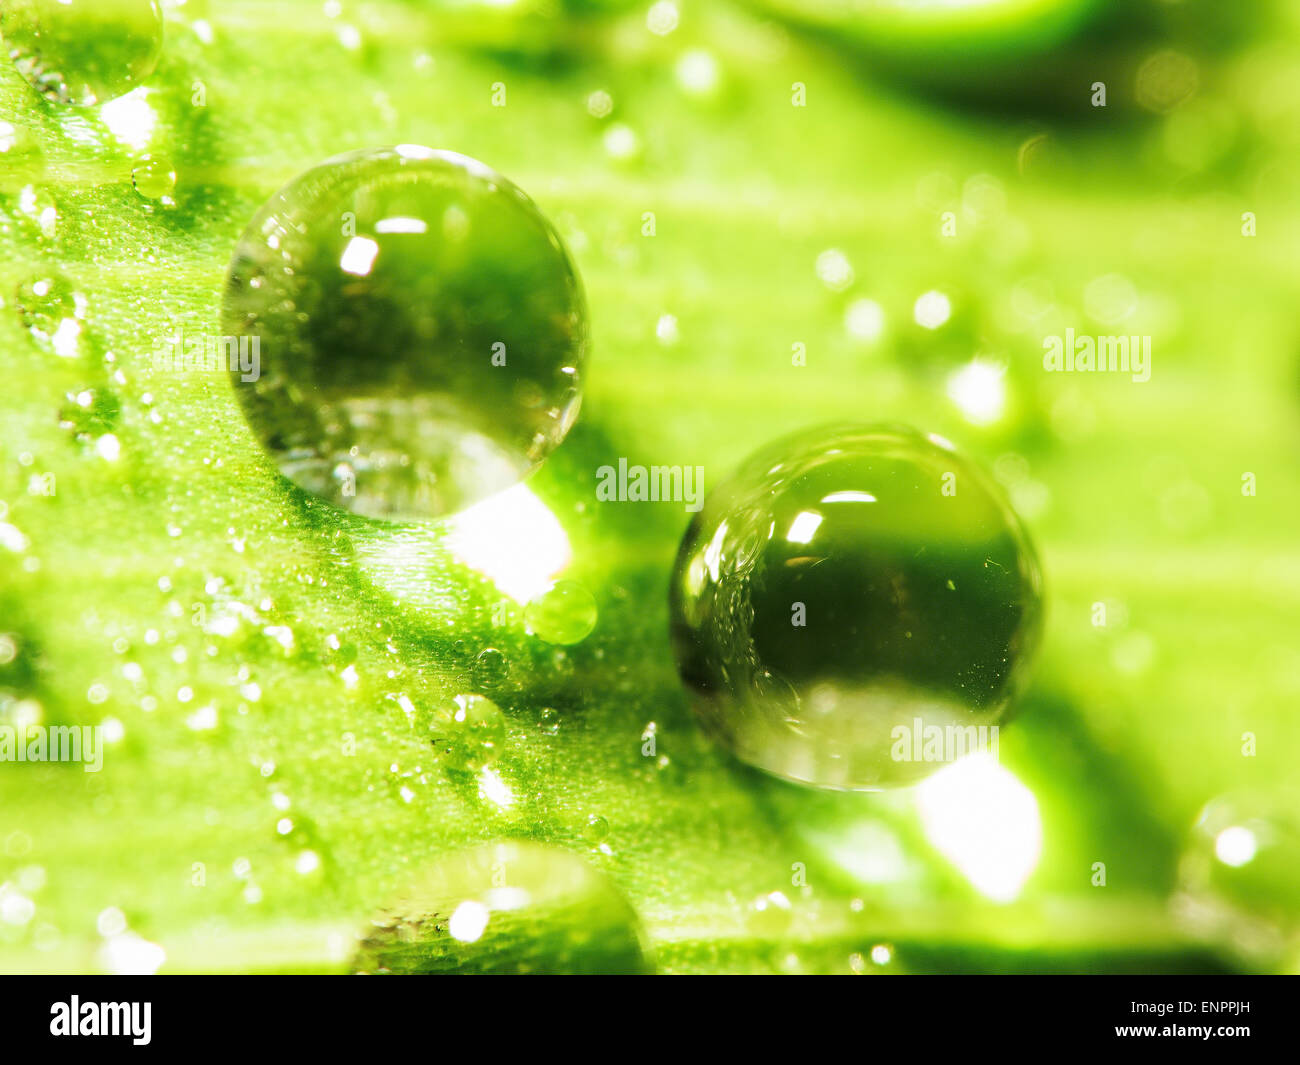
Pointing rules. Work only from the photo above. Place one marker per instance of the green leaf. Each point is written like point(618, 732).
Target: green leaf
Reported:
point(258, 657)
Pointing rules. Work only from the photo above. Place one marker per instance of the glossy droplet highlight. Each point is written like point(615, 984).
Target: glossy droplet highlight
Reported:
point(508, 908)
point(83, 52)
point(564, 614)
point(422, 331)
point(853, 606)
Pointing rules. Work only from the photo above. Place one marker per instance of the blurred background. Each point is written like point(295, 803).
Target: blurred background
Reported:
point(785, 212)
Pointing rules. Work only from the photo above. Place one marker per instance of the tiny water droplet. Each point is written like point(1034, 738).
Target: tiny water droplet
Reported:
point(53, 312)
point(340, 653)
point(891, 587)
point(38, 212)
point(508, 908)
point(834, 270)
point(83, 52)
point(596, 830)
point(564, 614)
point(421, 329)
point(90, 413)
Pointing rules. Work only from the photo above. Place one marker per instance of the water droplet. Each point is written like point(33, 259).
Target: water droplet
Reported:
point(563, 614)
point(596, 830)
point(491, 669)
point(834, 270)
point(697, 72)
point(1166, 80)
point(662, 18)
point(932, 309)
point(468, 731)
point(813, 620)
point(83, 52)
point(53, 312)
point(422, 331)
point(864, 319)
point(879, 959)
point(155, 179)
point(621, 142)
point(771, 915)
point(1240, 872)
point(508, 908)
point(38, 212)
point(89, 413)
point(666, 330)
point(340, 653)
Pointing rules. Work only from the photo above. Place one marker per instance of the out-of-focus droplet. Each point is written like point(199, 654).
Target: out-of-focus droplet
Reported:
point(53, 312)
point(771, 915)
point(83, 52)
point(932, 309)
point(468, 731)
point(89, 413)
point(1240, 872)
point(834, 270)
point(564, 614)
point(1165, 80)
point(508, 908)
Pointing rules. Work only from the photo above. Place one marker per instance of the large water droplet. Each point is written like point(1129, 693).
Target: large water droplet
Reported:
point(422, 331)
point(564, 614)
point(83, 52)
point(506, 908)
point(849, 603)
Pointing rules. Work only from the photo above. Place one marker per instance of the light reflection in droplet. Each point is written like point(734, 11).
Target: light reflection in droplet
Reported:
point(985, 821)
point(514, 540)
